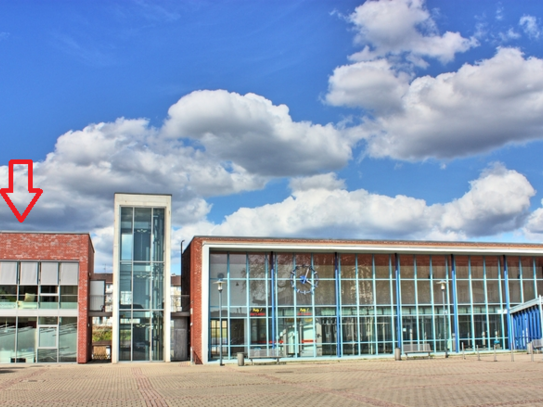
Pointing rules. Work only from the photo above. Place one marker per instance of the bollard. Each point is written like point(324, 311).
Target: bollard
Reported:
point(478, 354)
point(532, 355)
point(463, 352)
point(397, 354)
point(495, 360)
point(512, 355)
point(241, 359)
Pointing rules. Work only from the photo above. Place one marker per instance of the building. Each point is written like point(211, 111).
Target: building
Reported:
point(141, 278)
point(44, 297)
point(346, 298)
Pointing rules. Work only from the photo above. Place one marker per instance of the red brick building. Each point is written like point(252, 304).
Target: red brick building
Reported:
point(323, 298)
point(44, 297)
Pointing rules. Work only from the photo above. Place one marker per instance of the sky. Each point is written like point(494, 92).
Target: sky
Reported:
point(389, 119)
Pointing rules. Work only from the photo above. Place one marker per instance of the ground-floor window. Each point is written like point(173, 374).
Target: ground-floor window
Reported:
point(38, 339)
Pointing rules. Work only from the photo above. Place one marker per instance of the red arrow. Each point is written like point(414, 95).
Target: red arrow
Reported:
point(5, 191)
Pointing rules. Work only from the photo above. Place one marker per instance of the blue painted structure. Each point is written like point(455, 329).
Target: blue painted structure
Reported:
point(526, 323)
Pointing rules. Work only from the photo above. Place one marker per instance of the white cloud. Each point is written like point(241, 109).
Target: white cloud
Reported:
point(530, 26)
point(498, 201)
point(478, 108)
point(242, 141)
point(373, 85)
point(256, 135)
point(394, 27)
point(322, 181)
point(509, 35)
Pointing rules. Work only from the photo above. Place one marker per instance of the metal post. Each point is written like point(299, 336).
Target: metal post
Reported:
point(219, 287)
point(463, 352)
point(478, 355)
point(220, 326)
point(495, 360)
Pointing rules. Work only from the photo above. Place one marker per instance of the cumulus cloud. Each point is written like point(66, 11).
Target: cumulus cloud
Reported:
point(212, 143)
point(478, 108)
point(498, 201)
point(256, 135)
point(395, 27)
point(373, 85)
point(530, 26)
point(322, 181)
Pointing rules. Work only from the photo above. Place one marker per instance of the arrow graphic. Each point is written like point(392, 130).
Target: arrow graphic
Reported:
point(37, 191)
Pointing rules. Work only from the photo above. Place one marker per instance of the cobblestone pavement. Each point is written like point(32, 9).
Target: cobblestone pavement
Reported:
point(383, 383)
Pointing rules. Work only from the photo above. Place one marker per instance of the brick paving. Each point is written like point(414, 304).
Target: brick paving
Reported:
point(432, 382)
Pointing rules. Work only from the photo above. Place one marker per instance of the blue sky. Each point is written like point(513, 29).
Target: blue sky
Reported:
point(347, 119)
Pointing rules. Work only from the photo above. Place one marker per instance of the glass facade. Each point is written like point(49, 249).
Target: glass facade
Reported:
point(44, 287)
point(141, 284)
point(364, 304)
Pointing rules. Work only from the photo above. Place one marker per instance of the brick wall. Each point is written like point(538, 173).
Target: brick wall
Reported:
point(194, 260)
point(58, 247)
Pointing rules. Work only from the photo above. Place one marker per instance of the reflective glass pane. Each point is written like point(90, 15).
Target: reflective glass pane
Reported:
point(47, 337)
point(68, 339)
point(348, 266)
point(217, 265)
point(7, 339)
point(257, 265)
point(365, 292)
point(257, 293)
point(365, 266)
point(26, 339)
point(158, 286)
point(158, 234)
point(125, 288)
point(142, 286)
point(142, 234)
point(126, 234)
point(238, 292)
point(348, 292)
point(324, 264)
point(238, 265)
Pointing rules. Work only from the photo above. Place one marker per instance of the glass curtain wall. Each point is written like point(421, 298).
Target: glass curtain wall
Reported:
point(141, 284)
point(353, 309)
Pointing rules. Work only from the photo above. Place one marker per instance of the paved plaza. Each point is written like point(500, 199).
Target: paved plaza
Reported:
point(382, 383)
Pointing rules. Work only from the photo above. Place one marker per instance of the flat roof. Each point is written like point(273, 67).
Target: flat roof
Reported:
point(140, 193)
point(385, 245)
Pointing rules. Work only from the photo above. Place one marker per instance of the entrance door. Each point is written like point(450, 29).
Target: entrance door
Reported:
point(180, 339)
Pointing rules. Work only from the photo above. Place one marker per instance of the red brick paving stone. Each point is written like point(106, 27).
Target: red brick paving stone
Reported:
point(149, 394)
point(378, 383)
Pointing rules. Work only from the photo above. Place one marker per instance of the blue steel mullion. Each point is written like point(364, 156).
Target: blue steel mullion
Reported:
point(391, 297)
point(357, 301)
point(398, 300)
point(502, 334)
point(488, 336)
point(534, 279)
point(433, 305)
point(471, 304)
point(375, 325)
point(415, 281)
point(521, 279)
point(338, 308)
point(268, 294)
point(455, 304)
point(506, 279)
